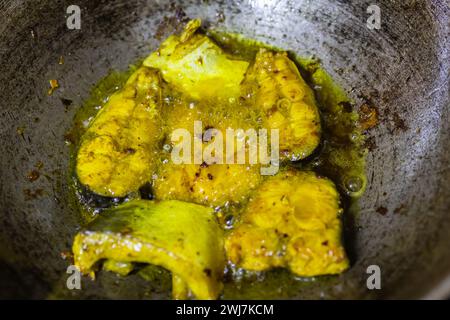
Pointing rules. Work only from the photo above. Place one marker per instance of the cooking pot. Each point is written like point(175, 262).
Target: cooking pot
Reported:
point(401, 69)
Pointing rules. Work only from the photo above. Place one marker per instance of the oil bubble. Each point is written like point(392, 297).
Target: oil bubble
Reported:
point(353, 184)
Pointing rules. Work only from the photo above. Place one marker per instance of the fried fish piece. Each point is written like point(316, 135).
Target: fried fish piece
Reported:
point(197, 66)
point(274, 85)
point(182, 237)
point(118, 150)
point(293, 221)
point(217, 181)
point(214, 185)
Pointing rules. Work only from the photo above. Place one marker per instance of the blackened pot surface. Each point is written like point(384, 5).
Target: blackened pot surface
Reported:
point(402, 69)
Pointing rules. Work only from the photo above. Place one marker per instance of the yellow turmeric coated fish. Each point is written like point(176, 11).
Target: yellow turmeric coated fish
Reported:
point(274, 85)
point(195, 65)
point(290, 220)
point(182, 237)
point(117, 152)
point(213, 183)
point(293, 221)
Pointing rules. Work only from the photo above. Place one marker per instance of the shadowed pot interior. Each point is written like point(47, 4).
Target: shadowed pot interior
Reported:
point(401, 69)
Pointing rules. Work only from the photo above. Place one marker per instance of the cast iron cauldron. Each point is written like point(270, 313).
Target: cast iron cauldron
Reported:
point(402, 69)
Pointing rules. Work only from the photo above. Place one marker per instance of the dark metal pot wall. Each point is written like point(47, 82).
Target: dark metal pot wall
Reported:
point(402, 69)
